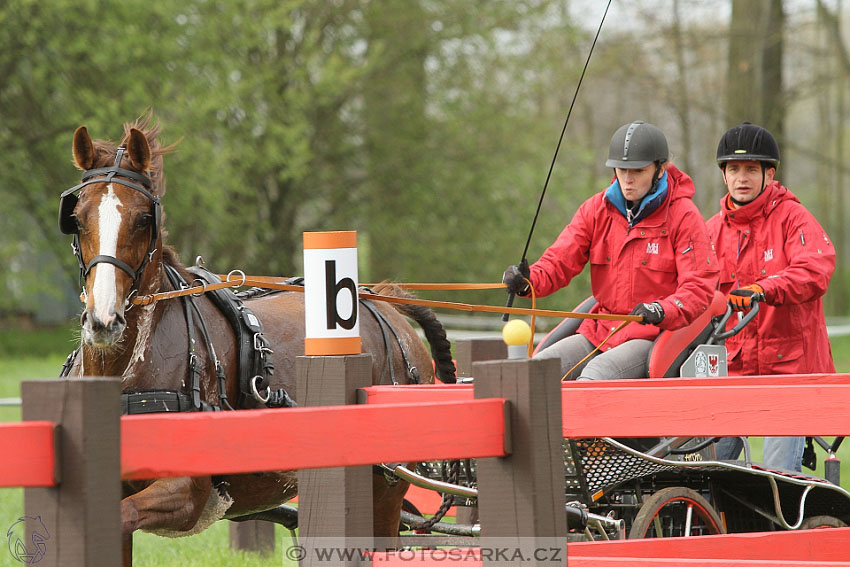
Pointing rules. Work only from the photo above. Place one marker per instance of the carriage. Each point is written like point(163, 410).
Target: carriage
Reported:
point(663, 487)
point(616, 489)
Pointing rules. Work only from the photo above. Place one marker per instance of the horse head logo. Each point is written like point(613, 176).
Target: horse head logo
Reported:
point(16, 536)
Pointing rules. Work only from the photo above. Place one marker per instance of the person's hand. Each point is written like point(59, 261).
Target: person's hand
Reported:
point(742, 299)
point(515, 277)
point(652, 313)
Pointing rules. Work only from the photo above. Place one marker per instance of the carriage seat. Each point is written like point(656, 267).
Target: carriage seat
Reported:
point(669, 350)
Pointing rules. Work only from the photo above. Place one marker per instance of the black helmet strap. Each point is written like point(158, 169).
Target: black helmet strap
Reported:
point(655, 179)
point(763, 169)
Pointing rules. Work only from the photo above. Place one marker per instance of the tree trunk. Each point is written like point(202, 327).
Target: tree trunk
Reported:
point(754, 87)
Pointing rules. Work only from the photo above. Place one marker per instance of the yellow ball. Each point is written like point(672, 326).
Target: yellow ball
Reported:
point(516, 332)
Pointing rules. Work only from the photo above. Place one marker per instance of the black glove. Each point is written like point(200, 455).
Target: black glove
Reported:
point(651, 312)
point(515, 277)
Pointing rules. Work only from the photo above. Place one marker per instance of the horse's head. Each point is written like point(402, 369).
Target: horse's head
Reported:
point(116, 223)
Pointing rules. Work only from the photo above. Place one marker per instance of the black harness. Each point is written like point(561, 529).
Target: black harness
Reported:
point(115, 174)
point(254, 360)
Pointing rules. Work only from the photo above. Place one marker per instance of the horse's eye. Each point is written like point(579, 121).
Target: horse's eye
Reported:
point(144, 221)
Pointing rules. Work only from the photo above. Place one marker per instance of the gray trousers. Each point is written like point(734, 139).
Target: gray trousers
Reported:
point(628, 360)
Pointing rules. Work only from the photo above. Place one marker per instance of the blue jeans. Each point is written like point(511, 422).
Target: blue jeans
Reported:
point(783, 453)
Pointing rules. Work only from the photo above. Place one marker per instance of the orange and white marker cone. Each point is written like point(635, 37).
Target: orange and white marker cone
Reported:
point(331, 309)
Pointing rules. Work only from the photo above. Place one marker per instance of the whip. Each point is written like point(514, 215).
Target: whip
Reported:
point(557, 149)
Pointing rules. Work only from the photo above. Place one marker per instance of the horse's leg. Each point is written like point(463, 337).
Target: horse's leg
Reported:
point(168, 503)
point(387, 509)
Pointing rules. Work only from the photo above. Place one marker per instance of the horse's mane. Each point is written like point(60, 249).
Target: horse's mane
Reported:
point(171, 258)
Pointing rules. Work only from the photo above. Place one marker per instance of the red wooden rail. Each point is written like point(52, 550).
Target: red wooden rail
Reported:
point(30, 454)
point(160, 445)
point(773, 549)
point(302, 438)
point(760, 405)
point(215, 443)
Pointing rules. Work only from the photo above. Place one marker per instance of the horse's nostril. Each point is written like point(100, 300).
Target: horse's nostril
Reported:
point(83, 317)
point(119, 321)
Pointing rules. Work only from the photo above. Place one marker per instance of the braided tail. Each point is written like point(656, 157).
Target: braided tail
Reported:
point(435, 334)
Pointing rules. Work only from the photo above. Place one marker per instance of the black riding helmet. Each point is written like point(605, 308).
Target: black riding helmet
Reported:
point(748, 142)
point(636, 145)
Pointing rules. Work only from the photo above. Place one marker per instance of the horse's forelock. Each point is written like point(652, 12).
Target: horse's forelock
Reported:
point(104, 150)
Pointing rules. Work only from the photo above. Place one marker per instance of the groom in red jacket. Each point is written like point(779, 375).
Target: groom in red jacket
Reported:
point(771, 250)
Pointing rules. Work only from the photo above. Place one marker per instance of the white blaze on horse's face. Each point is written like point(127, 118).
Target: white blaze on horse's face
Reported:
point(103, 320)
point(109, 222)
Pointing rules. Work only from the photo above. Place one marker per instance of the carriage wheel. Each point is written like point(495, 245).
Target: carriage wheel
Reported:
point(820, 522)
point(676, 511)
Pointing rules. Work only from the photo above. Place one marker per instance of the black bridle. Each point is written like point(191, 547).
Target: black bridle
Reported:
point(115, 174)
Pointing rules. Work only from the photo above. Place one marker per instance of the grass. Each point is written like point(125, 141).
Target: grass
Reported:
point(28, 356)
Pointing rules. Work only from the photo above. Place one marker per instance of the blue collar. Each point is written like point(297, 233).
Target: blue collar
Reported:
point(648, 205)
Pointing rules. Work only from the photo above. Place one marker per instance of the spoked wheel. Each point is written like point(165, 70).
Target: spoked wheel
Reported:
point(820, 522)
point(676, 512)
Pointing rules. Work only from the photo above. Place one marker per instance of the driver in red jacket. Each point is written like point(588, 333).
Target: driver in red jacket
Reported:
point(649, 255)
point(771, 250)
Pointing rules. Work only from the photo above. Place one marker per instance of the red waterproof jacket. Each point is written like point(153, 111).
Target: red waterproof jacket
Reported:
point(665, 257)
point(776, 243)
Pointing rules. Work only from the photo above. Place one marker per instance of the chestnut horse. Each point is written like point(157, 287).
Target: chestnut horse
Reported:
point(118, 238)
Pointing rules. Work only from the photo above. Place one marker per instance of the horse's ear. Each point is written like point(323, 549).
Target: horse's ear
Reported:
point(139, 150)
point(83, 149)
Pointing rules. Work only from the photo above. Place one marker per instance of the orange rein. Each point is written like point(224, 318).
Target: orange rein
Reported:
point(268, 282)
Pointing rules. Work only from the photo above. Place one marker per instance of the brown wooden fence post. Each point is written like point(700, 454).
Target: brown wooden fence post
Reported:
point(78, 522)
point(467, 352)
point(252, 535)
point(334, 504)
point(521, 497)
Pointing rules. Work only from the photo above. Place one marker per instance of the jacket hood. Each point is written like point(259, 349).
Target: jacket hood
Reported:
point(673, 182)
point(763, 205)
point(682, 186)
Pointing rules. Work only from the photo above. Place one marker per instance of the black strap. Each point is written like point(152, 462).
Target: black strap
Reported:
point(110, 260)
point(178, 282)
point(384, 324)
point(254, 360)
point(160, 401)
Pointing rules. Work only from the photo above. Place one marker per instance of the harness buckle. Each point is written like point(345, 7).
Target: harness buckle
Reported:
point(261, 345)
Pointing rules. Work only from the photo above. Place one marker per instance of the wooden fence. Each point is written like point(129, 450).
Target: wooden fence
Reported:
point(74, 448)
